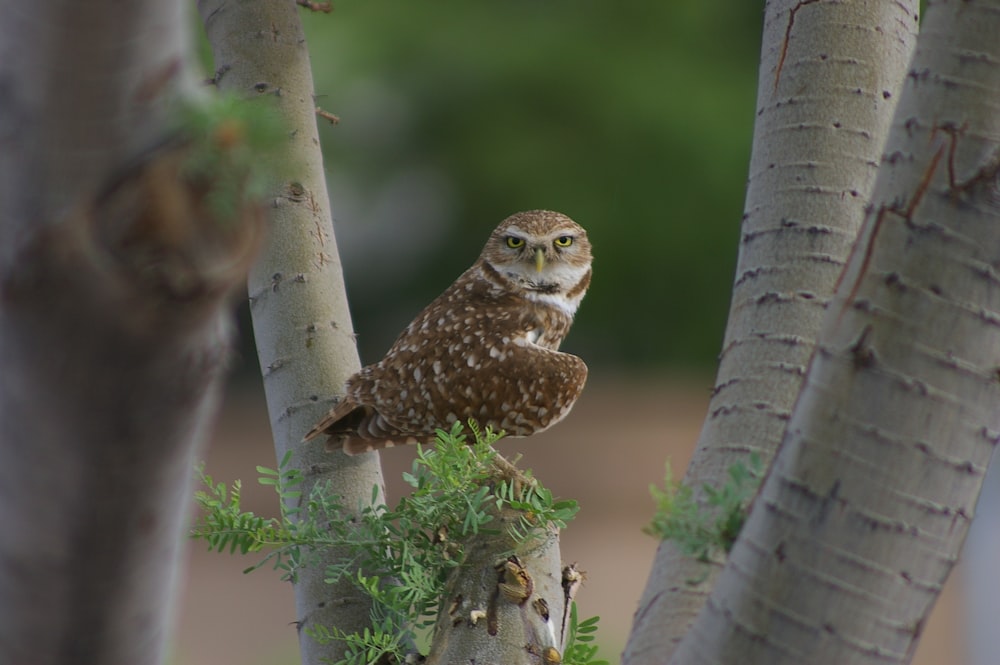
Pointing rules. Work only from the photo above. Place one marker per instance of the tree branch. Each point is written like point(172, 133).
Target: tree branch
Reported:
point(301, 319)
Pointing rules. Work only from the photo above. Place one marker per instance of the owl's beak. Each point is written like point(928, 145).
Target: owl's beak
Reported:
point(539, 259)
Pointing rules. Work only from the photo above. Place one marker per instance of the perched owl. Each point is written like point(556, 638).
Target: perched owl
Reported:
point(486, 349)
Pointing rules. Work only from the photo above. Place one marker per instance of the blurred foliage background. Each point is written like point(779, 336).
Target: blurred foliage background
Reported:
point(632, 117)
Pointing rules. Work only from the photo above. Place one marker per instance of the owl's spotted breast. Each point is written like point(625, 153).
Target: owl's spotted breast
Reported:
point(486, 349)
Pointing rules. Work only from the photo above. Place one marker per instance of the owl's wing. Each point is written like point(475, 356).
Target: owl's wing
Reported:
point(518, 387)
point(470, 355)
point(524, 391)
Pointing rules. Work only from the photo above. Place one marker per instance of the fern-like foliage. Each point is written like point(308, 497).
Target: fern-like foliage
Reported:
point(401, 557)
point(224, 525)
point(580, 635)
point(704, 530)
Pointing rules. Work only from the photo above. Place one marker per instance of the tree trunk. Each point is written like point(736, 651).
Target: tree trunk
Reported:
point(501, 610)
point(830, 75)
point(301, 320)
point(113, 327)
point(865, 510)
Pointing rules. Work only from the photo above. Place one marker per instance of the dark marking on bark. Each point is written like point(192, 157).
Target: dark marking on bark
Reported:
point(952, 131)
point(454, 610)
point(492, 620)
point(988, 176)
point(862, 355)
point(959, 516)
point(542, 607)
point(219, 73)
point(905, 212)
point(986, 432)
point(826, 503)
point(925, 182)
point(866, 259)
point(324, 7)
point(919, 77)
point(640, 614)
point(788, 35)
point(915, 633)
point(892, 158)
point(726, 384)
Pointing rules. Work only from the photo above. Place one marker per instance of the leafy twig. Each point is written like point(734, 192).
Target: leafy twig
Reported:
point(401, 557)
point(705, 529)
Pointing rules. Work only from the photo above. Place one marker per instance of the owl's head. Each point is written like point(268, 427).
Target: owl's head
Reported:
point(544, 253)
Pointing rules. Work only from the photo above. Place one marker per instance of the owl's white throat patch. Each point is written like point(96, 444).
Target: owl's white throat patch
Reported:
point(558, 300)
point(552, 285)
point(554, 278)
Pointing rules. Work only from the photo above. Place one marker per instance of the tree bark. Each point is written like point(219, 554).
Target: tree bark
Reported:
point(301, 320)
point(501, 610)
point(113, 327)
point(865, 510)
point(830, 75)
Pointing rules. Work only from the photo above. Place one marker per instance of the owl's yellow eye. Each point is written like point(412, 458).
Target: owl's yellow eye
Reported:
point(514, 242)
point(564, 241)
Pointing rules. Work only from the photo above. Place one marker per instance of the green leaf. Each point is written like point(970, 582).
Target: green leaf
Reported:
point(406, 552)
point(710, 527)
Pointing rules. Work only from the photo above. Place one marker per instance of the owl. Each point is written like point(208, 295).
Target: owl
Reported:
point(487, 349)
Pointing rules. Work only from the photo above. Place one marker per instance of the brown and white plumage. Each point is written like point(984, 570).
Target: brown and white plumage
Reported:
point(486, 349)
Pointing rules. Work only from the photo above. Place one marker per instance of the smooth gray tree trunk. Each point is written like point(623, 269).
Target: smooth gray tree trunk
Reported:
point(866, 508)
point(301, 321)
point(830, 75)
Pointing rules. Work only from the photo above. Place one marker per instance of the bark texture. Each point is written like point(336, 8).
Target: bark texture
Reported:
point(501, 609)
point(867, 505)
point(113, 328)
point(830, 75)
point(301, 321)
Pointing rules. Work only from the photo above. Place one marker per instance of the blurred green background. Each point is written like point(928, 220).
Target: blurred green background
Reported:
point(634, 118)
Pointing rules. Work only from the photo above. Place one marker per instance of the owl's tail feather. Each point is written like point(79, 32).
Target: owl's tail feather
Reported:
point(355, 445)
point(343, 418)
point(357, 428)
